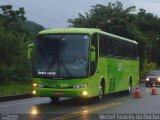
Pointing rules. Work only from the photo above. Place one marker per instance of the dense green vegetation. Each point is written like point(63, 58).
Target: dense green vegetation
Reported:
point(140, 26)
point(15, 88)
point(15, 34)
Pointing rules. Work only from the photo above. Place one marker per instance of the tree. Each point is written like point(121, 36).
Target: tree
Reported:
point(113, 18)
point(10, 16)
point(14, 37)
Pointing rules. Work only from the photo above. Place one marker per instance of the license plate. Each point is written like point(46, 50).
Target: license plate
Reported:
point(57, 93)
point(152, 79)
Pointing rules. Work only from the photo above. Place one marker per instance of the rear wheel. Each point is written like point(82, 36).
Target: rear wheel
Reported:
point(54, 99)
point(129, 87)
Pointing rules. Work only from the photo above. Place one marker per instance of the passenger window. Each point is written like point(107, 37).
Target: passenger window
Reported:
point(94, 42)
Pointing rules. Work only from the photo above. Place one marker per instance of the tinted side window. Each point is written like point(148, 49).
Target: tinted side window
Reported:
point(102, 45)
point(117, 47)
point(94, 42)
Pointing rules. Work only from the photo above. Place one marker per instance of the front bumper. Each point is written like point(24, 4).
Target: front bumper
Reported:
point(51, 92)
point(151, 82)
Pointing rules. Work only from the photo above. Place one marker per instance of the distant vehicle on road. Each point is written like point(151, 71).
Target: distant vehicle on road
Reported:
point(153, 77)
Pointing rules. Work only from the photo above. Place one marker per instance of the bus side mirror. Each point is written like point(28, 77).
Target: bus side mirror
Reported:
point(29, 50)
point(93, 54)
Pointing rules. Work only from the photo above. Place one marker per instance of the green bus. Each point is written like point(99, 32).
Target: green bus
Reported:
point(83, 62)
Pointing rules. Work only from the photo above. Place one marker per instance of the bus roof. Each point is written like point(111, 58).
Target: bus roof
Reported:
point(83, 30)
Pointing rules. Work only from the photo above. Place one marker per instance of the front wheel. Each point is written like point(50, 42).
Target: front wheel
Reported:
point(54, 99)
point(101, 93)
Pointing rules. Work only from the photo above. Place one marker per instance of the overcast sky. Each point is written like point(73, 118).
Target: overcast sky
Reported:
point(55, 13)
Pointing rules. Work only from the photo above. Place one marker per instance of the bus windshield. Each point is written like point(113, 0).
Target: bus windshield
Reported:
point(61, 56)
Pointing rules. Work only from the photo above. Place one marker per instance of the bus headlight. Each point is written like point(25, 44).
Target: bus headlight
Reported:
point(80, 86)
point(34, 84)
point(34, 92)
point(84, 93)
point(37, 85)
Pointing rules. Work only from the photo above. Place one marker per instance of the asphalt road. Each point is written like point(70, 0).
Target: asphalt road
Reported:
point(113, 106)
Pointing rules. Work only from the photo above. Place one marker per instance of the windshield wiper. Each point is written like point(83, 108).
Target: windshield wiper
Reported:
point(60, 59)
point(54, 61)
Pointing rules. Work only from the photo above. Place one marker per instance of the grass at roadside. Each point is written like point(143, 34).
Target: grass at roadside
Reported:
point(15, 88)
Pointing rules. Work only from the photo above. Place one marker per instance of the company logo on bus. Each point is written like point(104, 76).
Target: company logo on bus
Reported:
point(62, 85)
point(120, 66)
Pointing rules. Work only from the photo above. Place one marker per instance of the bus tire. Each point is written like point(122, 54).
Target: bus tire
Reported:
point(128, 91)
point(101, 92)
point(54, 99)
